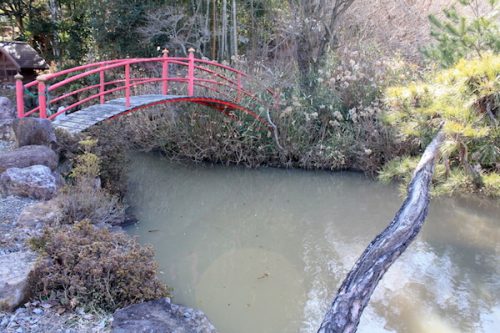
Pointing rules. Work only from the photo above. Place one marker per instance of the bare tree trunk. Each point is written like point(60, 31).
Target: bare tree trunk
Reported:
point(214, 30)
point(317, 32)
point(356, 290)
point(235, 29)
point(253, 33)
point(54, 17)
point(223, 37)
point(206, 26)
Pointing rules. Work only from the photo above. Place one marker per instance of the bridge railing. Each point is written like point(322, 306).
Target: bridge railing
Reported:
point(198, 77)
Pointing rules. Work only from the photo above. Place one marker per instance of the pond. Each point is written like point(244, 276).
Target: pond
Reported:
point(265, 250)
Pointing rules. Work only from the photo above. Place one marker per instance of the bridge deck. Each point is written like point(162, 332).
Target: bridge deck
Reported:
point(83, 119)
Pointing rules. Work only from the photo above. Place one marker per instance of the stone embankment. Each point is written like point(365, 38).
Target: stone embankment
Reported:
point(29, 184)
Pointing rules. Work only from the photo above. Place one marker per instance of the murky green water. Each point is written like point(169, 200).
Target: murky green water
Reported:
point(263, 251)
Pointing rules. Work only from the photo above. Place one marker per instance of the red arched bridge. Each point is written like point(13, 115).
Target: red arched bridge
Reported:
point(77, 98)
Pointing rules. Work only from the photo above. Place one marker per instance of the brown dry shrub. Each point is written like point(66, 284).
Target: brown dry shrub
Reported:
point(82, 265)
point(86, 200)
point(197, 133)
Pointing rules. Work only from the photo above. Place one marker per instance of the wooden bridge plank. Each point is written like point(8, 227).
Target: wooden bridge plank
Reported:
point(83, 119)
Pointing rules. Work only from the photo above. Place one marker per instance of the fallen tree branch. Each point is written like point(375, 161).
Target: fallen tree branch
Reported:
point(356, 290)
point(275, 130)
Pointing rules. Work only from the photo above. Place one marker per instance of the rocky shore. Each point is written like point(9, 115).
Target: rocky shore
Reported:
point(29, 186)
point(36, 317)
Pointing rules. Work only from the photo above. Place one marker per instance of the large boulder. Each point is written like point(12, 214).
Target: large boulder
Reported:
point(27, 156)
point(36, 182)
point(160, 316)
point(14, 272)
point(7, 116)
point(7, 110)
point(34, 131)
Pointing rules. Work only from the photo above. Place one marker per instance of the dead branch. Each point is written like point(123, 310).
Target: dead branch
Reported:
point(356, 290)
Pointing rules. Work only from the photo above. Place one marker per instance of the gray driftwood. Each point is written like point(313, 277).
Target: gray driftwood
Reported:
point(345, 312)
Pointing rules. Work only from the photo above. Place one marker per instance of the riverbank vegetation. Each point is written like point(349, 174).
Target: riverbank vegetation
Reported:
point(339, 81)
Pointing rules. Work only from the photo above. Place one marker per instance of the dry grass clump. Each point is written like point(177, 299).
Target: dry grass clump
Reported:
point(86, 200)
point(198, 134)
point(82, 265)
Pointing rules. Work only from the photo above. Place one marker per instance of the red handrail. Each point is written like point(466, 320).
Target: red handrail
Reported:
point(213, 77)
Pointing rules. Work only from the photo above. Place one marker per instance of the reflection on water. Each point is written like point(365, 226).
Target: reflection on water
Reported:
point(265, 250)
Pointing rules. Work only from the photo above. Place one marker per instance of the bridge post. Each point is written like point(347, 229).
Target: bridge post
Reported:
point(191, 72)
point(19, 95)
point(164, 73)
point(42, 98)
point(102, 86)
point(238, 96)
point(127, 85)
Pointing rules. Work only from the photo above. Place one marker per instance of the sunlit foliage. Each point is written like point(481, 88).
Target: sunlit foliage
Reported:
point(465, 100)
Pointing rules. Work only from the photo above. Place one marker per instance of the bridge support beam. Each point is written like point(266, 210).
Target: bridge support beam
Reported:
point(42, 98)
point(102, 86)
point(191, 72)
point(164, 73)
point(127, 85)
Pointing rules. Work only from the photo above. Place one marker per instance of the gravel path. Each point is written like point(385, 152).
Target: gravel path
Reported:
point(39, 317)
point(12, 239)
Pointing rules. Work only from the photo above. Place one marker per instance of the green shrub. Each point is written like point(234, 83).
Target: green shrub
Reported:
point(102, 155)
point(457, 182)
point(459, 36)
point(466, 99)
point(491, 185)
point(82, 265)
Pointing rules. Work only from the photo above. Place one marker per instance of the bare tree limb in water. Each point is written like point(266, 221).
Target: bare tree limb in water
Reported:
point(356, 290)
